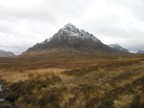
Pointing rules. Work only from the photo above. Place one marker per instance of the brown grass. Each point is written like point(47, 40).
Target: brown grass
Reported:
point(95, 82)
point(15, 76)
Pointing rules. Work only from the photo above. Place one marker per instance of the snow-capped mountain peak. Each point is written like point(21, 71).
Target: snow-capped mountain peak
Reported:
point(71, 37)
point(72, 31)
point(70, 27)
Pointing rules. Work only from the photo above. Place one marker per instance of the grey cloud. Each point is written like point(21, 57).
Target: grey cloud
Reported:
point(135, 6)
point(5, 28)
point(36, 14)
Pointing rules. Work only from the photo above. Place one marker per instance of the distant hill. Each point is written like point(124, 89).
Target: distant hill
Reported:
point(6, 54)
point(118, 48)
point(72, 38)
point(140, 52)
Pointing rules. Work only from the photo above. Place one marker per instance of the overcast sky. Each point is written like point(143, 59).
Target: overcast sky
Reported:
point(24, 23)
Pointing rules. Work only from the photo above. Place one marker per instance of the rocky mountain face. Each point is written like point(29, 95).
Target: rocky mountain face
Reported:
point(70, 37)
point(6, 54)
point(118, 48)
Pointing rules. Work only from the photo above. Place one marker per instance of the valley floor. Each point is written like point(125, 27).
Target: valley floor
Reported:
point(86, 83)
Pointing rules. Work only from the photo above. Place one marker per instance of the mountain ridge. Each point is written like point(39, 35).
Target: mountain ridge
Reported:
point(6, 53)
point(118, 47)
point(140, 51)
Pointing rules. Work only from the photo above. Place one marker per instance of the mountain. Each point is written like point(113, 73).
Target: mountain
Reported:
point(118, 48)
point(140, 52)
point(6, 54)
point(70, 37)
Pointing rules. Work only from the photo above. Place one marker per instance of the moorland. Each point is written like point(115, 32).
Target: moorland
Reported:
point(95, 81)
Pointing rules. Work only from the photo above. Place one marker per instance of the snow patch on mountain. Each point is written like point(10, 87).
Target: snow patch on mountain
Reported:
point(72, 32)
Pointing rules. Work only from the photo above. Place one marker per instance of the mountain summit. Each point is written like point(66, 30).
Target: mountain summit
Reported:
point(70, 31)
point(71, 37)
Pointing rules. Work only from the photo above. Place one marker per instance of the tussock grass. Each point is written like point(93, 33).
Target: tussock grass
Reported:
point(15, 76)
point(116, 82)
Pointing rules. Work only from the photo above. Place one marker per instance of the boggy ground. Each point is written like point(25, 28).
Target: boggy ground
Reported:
point(102, 82)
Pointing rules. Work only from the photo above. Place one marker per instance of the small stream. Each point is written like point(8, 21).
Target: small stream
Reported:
point(3, 102)
point(1, 89)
